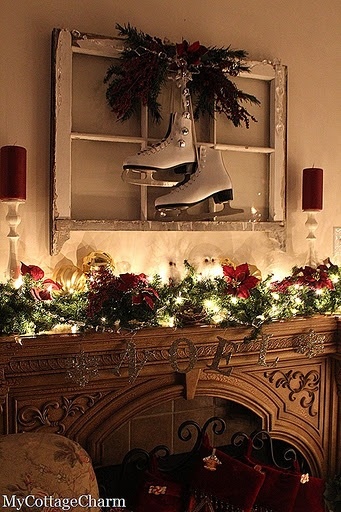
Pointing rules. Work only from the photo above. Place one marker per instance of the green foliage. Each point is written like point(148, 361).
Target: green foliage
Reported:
point(147, 63)
point(133, 301)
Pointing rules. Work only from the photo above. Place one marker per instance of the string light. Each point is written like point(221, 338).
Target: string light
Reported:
point(192, 300)
point(211, 306)
point(179, 300)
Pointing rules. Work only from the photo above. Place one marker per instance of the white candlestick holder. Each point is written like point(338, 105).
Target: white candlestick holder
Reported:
point(13, 219)
point(311, 224)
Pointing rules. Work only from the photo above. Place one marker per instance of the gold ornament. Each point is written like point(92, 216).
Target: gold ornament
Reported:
point(97, 259)
point(254, 271)
point(227, 261)
point(71, 278)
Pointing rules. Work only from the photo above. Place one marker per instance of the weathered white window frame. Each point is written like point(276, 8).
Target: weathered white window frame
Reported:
point(65, 44)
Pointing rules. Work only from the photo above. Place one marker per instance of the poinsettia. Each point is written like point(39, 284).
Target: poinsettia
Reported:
point(109, 293)
point(148, 295)
point(44, 288)
point(282, 286)
point(33, 271)
point(316, 278)
point(239, 280)
point(126, 282)
point(192, 53)
point(44, 292)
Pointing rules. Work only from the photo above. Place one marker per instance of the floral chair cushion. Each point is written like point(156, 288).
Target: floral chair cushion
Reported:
point(44, 471)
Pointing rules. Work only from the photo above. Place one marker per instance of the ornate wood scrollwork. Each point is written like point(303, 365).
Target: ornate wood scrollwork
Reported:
point(298, 384)
point(4, 387)
point(54, 412)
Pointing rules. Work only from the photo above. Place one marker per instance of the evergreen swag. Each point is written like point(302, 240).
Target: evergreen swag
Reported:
point(147, 62)
point(132, 301)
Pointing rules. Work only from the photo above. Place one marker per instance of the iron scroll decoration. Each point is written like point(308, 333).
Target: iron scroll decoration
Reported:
point(260, 440)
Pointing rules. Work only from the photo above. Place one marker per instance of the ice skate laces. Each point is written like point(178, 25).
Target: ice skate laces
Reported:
point(154, 148)
point(201, 164)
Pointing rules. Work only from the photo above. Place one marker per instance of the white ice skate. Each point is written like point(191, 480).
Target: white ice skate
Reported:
point(174, 156)
point(210, 180)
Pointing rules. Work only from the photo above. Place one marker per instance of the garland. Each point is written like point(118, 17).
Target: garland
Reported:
point(133, 301)
point(147, 62)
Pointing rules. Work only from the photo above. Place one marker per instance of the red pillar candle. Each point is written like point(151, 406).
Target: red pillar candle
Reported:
point(12, 173)
point(312, 189)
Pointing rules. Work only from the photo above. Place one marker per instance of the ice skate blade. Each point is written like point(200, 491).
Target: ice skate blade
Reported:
point(181, 214)
point(146, 178)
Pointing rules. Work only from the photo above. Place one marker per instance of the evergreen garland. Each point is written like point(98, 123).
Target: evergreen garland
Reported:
point(109, 301)
point(146, 63)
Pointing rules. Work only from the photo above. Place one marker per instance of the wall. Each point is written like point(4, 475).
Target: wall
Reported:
point(305, 35)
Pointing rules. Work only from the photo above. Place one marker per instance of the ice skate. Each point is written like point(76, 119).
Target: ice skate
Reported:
point(210, 180)
point(165, 163)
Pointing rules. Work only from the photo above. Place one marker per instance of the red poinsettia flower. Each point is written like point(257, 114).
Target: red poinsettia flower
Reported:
point(148, 295)
point(239, 281)
point(192, 53)
point(126, 282)
point(316, 278)
point(45, 293)
point(282, 286)
point(32, 270)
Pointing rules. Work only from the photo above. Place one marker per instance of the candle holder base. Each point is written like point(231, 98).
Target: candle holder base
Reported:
point(13, 219)
point(311, 224)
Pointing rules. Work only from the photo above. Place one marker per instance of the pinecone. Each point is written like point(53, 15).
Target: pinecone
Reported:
point(189, 314)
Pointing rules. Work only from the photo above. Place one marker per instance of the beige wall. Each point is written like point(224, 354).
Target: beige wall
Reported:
point(304, 34)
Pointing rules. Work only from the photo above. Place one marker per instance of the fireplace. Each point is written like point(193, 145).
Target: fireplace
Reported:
point(105, 390)
point(159, 425)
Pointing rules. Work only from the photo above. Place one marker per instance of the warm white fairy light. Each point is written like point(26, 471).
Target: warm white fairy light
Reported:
point(274, 310)
point(166, 321)
point(276, 296)
point(234, 300)
point(211, 305)
point(278, 275)
point(218, 318)
point(319, 291)
point(179, 300)
point(17, 283)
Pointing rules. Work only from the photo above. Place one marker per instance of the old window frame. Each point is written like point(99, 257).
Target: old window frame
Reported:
point(66, 43)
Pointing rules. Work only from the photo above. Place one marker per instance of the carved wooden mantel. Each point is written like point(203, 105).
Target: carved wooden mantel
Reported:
point(296, 396)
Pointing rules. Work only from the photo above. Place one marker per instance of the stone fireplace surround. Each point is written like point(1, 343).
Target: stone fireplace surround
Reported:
point(296, 398)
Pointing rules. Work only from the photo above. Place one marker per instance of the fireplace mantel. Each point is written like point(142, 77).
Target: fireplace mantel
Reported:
point(296, 396)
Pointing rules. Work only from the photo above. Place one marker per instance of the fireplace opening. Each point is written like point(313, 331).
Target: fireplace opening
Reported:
point(158, 425)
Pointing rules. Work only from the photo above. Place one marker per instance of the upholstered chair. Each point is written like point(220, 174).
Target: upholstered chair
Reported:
point(44, 471)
